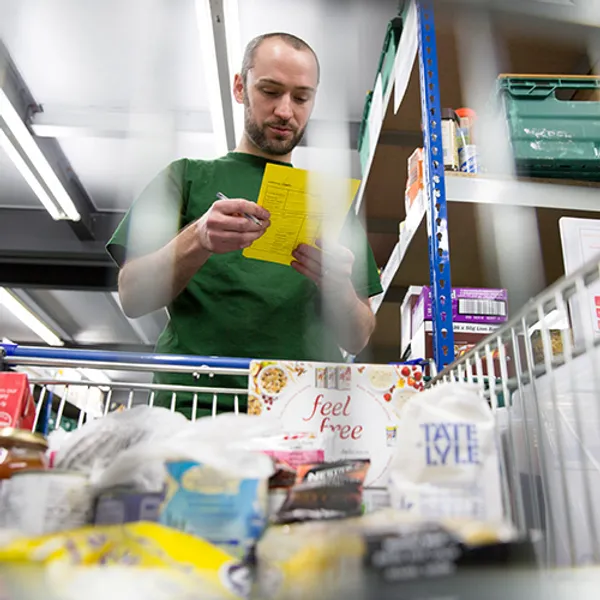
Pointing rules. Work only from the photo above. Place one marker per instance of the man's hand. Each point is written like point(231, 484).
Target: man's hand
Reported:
point(224, 228)
point(349, 316)
point(310, 262)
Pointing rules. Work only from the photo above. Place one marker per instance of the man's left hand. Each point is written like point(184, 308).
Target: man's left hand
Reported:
point(312, 263)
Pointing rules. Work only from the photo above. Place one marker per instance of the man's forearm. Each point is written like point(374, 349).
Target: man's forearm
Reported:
point(352, 320)
point(151, 282)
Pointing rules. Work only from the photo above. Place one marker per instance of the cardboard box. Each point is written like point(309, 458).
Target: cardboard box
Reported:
point(406, 311)
point(358, 405)
point(17, 407)
point(466, 336)
point(469, 305)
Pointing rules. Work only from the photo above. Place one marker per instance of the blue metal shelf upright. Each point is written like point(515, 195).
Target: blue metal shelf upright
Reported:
point(435, 188)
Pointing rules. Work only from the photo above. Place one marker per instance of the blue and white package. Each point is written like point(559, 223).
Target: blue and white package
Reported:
point(447, 462)
point(225, 510)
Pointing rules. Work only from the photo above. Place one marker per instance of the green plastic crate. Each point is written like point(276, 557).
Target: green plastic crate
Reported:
point(551, 136)
point(385, 66)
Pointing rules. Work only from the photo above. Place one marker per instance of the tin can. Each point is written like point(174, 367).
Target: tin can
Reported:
point(117, 506)
point(48, 501)
point(468, 159)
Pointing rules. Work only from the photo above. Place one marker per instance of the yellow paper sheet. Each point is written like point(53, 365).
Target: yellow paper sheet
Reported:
point(295, 199)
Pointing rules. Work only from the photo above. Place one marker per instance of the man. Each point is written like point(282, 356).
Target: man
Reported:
point(180, 247)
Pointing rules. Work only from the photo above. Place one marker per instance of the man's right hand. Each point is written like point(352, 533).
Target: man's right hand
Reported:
point(224, 228)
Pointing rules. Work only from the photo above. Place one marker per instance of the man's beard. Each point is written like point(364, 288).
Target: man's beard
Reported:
point(258, 136)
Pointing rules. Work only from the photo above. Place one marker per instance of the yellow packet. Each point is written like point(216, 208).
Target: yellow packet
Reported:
point(140, 546)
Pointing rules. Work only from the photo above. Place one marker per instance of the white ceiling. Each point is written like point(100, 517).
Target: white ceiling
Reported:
point(125, 82)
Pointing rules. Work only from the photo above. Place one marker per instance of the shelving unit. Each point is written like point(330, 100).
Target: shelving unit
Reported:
point(412, 259)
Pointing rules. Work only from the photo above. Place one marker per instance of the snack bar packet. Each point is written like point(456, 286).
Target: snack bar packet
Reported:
point(325, 491)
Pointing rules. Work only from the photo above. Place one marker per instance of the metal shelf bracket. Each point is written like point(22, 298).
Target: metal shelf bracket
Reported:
point(435, 186)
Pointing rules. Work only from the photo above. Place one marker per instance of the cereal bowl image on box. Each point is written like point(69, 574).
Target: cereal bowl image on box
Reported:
point(272, 379)
point(357, 406)
point(382, 378)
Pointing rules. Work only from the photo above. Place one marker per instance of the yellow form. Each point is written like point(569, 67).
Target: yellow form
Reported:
point(299, 209)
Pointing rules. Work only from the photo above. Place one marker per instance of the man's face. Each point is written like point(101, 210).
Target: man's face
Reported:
point(278, 96)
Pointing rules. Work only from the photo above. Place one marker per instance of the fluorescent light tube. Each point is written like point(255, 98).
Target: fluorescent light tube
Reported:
point(28, 176)
point(233, 37)
point(211, 71)
point(10, 120)
point(28, 318)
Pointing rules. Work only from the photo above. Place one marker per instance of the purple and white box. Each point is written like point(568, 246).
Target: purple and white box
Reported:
point(469, 305)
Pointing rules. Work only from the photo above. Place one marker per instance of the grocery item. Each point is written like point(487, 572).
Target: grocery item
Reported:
point(469, 305)
point(98, 442)
point(363, 557)
point(468, 159)
point(179, 564)
point(198, 481)
point(229, 512)
point(447, 464)
point(126, 505)
point(450, 122)
point(415, 179)
point(336, 473)
point(17, 408)
point(48, 501)
point(466, 337)
point(292, 448)
point(406, 309)
point(356, 404)
point(21, 450)
point(465, 133)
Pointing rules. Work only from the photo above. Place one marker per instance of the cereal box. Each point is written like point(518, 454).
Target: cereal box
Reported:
point(358, 405)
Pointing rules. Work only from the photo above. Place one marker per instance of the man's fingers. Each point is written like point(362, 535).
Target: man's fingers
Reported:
point(240, 206)
point(310, 260)
point(303, 270)
point(229, 241)
point(240, 224)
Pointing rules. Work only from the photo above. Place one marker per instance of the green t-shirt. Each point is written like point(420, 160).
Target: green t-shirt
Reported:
point(233, 306)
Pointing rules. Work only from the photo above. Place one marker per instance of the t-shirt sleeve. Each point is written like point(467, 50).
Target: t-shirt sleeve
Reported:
point(365, 274)
point(155, 217)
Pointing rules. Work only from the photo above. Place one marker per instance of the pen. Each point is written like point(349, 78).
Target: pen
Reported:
point(252, 218)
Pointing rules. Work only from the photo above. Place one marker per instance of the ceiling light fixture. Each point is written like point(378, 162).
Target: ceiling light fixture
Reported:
point(233, 35)
point(28, 318)
point(24, 152)
point(211, 70)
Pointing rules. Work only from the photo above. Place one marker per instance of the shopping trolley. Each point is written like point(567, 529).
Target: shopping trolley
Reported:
point(544, 365)
point(67, 393)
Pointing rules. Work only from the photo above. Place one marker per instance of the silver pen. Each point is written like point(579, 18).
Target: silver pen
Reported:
point(252, 218)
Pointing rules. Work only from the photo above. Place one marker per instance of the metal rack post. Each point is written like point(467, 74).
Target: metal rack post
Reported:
point(435, 188)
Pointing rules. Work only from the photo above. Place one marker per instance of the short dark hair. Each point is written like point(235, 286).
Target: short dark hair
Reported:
point(290, 39)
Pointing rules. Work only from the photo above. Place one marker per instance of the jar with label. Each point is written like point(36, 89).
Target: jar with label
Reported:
point(21, 450)
point(467, 150)
point(449, 139)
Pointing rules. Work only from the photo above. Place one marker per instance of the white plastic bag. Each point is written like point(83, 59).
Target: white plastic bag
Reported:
point(97, 444)
point(447, 460)
point(215, 442)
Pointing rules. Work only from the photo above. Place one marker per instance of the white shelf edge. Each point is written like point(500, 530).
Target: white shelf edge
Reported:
point(413, 222)
point(487, 189)
point(408, 43)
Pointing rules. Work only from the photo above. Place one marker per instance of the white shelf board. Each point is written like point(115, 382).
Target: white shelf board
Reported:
point(411, 225)
point(534, 193)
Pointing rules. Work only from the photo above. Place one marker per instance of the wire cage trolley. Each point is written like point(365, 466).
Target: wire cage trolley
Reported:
point(73, 386)
point(541, 375)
